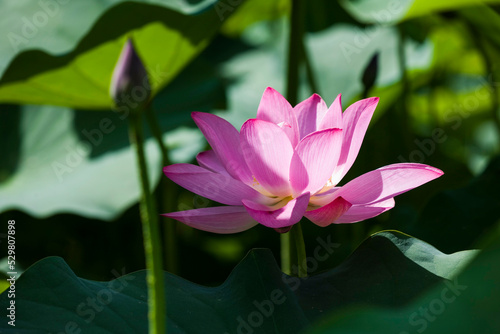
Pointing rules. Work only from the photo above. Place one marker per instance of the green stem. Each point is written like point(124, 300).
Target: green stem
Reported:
point(309, 70)
point(294, 51)
point(300, 248)
point(150, 230)
point(168, 198)
point(292, 243)
point(286, 253)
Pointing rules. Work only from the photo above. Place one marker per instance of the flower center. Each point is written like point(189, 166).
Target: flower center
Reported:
point(277, 202)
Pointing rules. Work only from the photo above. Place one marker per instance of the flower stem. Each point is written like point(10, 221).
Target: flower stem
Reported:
point(286, 253)
point(286, 263)
point(168, 197)
point(309, 70)
point(150, 230)
point(292, 243)
point(300, 249)
point(294, 51)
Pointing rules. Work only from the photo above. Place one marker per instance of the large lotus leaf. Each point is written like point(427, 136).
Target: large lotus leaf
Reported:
point(57, 172)
point(388, 269)
point(392, 11)
point(468, 303)
point(57, 160)
point(166, 40)
point(56, 26)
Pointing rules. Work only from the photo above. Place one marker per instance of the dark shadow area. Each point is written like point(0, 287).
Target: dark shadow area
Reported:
point(10, 116)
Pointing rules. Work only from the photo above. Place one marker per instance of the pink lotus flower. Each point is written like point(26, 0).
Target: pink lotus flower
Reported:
point(286, 164)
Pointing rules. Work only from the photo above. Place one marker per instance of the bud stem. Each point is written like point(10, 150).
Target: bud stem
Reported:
point(168, 197)
point(150, 230)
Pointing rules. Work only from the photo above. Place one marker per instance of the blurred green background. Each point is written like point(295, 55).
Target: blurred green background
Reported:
point(72, 187)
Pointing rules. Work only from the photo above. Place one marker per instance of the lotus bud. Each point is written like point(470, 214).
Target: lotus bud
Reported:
point(130, 84)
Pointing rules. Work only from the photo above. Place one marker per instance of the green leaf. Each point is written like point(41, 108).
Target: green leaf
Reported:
point(252, 12)
point(56, 172)
point(388, 269)
point(390, 11)
point(165, 39)
point(468, 303)
point(421, 8)
point(56, 26)
point(60, 160)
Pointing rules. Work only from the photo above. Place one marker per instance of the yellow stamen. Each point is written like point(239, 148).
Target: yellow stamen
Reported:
point(255, 182)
